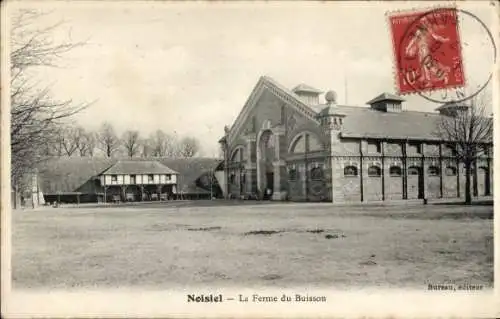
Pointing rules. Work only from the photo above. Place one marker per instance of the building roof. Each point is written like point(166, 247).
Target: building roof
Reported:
point(359, 121)
point(450, 105)
point(366, 122)
point(138, 167)
point(67, 174)
point(306, 88)
point(385, 97)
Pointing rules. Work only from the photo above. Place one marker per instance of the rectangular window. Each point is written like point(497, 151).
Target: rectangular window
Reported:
point(150, 178)
point(114, 178)
point(132, 179)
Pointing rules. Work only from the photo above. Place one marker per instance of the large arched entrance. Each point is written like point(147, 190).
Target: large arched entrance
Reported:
point(265, 158)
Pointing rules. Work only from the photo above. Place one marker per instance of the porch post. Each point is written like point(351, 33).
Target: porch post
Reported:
point(124, 192)
point(105, 187)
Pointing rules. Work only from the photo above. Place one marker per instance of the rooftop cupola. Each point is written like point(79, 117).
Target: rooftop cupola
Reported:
point(386, 102)
point(307, 94)
point(452, 108)
point(330, 116)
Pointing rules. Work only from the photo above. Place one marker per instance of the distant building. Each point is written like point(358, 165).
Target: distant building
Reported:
point(287, 143)
point(137, 180)
point(84, 180)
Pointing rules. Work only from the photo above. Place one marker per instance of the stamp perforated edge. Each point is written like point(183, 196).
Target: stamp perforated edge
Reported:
point(422, 10)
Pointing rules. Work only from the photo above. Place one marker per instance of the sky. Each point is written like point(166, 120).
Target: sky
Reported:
point(188, 68)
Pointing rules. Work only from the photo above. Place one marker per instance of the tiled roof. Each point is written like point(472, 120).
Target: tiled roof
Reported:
point(306, 88)
point(450, 105)
point(68, 174)
point(366, 122)
point(138, 167)
point(384, 97)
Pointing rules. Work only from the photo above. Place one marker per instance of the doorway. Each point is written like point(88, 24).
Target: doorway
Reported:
point(415, 183)
point(269, 185)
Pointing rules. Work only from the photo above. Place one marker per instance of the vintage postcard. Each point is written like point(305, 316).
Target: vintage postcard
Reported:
point(249, 159)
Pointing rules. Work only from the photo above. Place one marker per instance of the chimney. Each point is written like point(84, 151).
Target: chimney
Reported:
point(387, 102)
point(307, 94)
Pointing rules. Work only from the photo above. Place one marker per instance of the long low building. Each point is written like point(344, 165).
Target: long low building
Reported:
point(285, 144)
point(83, 180)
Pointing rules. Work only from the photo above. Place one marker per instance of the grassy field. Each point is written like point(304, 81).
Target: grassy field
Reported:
point(262, 245)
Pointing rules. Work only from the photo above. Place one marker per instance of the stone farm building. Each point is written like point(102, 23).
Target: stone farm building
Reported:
point(289, 145)
point(80, 180)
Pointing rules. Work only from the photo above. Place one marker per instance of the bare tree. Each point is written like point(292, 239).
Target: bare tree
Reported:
point(35, 115)
point(162, 144)
point(468, 131)
point(69, 139)
point(89, 144)
point(130, 141)
point(107, 139)
point(145, 147)
point(189, 147)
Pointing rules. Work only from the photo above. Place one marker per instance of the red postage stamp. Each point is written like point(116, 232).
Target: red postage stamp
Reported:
point(427, 50)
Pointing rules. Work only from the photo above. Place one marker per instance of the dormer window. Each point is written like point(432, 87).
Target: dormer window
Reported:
point(386, 102)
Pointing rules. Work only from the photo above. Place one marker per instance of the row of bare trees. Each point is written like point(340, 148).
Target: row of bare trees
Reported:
point(77, 141)
point(36, 116)
point(41, 124)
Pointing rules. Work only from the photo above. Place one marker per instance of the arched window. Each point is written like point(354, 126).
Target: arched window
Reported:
point(350, 171)
point(374, 171)
point(414, 170)
point(299, 146)
point(238, 155)
point(316, 173)
point(299, 143)
point(292, 174)
point(451, 171)
point(433, 171)
point(395, 171)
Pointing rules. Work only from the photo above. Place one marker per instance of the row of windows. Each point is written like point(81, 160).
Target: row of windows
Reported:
point(396, 171)
point(114, 178)
point(373, 147)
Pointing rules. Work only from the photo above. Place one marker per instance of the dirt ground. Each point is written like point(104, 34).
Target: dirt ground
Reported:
point(279, 245)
